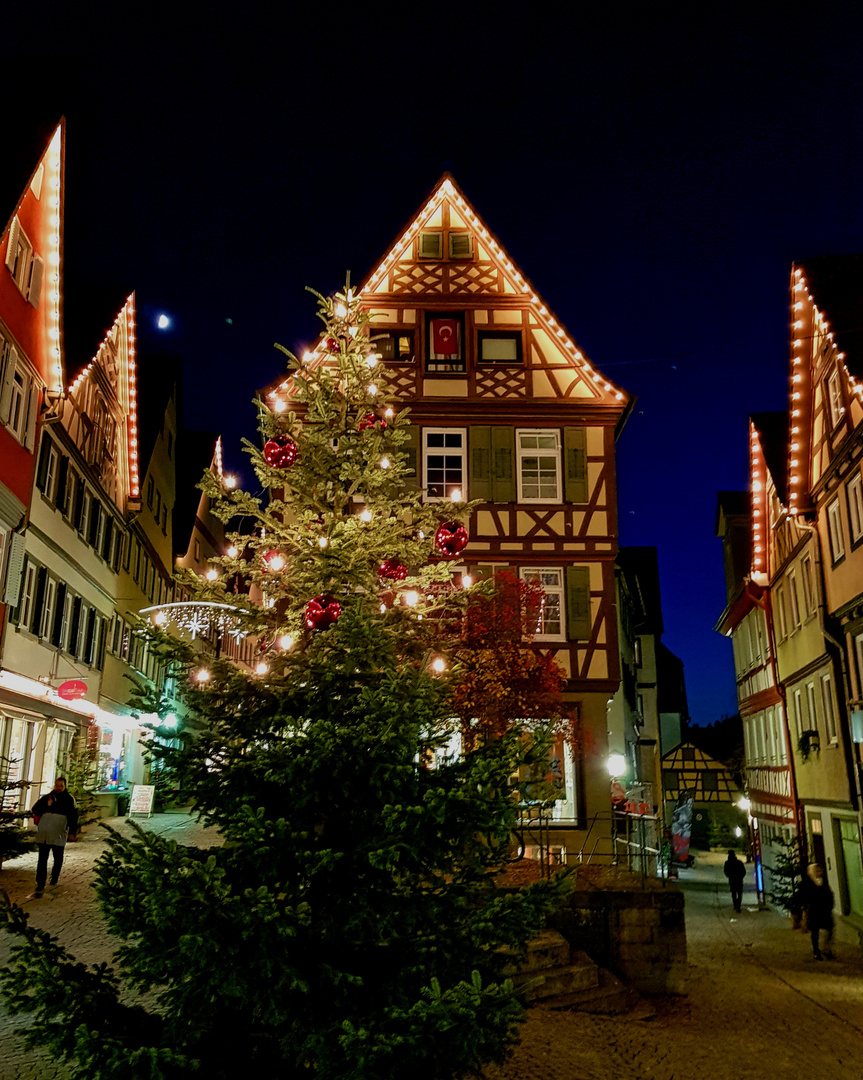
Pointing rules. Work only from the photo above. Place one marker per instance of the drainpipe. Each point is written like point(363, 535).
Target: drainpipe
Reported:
point(851, 753)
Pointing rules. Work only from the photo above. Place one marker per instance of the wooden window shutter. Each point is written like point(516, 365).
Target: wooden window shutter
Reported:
point(411, 448)
point(44, 457)
point(62, 476)
point(12, 249)
point(578, 603)
point(479, 480)
point(14, 569)
point(59, 609)
point(32, 407)
point(574, 464)
point(35, 289)
point(6, 387)
point(503, 455)
point(431, 245)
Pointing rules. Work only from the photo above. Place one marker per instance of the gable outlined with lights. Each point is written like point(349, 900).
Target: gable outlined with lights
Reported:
point(447, 268)
point(102, 417)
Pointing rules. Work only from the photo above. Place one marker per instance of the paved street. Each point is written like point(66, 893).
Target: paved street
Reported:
point(758, 1005)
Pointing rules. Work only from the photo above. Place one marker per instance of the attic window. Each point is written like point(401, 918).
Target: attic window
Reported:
point(460, 245)
point(431, 245)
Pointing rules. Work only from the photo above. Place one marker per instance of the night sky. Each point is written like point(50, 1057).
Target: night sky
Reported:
point(652, 171)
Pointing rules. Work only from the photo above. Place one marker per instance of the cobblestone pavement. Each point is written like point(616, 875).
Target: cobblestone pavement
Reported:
point(757, 1004)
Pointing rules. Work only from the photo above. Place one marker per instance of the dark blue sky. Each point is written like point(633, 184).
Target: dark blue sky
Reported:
point(653, 174)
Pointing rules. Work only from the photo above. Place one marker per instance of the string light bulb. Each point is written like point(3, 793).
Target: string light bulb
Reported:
point(412, 598)
point(202, 675)
point(438, 665)
point(232, 552)
point(212, 575)
point(366, 516)
point(285, 642)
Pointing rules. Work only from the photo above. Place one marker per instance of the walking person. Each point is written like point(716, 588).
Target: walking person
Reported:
point(735, 871)
point(56, 819)
point(817, 897)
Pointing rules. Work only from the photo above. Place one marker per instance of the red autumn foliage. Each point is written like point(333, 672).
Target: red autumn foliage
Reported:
point(502, 679)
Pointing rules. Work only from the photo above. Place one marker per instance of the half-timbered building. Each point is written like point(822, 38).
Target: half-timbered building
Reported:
point(825, 454)
point(507, 409)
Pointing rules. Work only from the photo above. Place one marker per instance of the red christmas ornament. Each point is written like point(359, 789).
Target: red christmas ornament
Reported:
point(332, 345)
point(370, 421)
point(392, 570)
point(321, 612)
point(280, 452)
point(450, 538)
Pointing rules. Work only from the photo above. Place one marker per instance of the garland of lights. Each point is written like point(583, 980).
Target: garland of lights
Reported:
point(199, 617)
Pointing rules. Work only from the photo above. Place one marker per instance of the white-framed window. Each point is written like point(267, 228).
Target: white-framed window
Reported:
point(808, 584)
point(49, 467)
point(28, 593)
point(444, 462)
point(834, 530)
point(66, 622)
point(798, 712)
point(810, 706)
point(834, 398)
point(550, 621)
point(24, 264)
point(771, 736)
point(829, 710)
point(538, 465)
point(781, 613)
point(855, 507)
point(48, 608)
point(793, 601)
point(19, 394)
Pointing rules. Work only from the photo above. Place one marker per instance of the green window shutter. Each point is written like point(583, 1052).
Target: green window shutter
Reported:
point(502, 457)
point(575, 464)
point(578, 602)
point(479, 480)
point(411, 447)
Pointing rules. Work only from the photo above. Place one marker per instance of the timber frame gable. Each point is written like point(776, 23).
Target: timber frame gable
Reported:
point(448, 261)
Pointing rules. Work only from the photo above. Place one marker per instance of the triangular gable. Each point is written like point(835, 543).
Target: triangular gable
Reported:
point(37, 212)
point(826, 362)
point(691, 768)
point(111, 380)
point(489, 274)
point(767, 449)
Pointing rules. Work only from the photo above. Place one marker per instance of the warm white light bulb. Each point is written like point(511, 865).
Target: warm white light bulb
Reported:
point(307, 357)
point(456, 495)
point(279, 406)
point(341, 311)
point(230, 482)
point(322, 542)
point(366, 516)
point(212, 575)
point(202, 676)
point(161, 618)
point(383, 609)
point(466, 580)
point(261, 668)
point(385, 462)
point(412, 598)
point(285, 641)
point(438, 665)
point(372, 390)
point(232, 552)
point(277, 563)
point(372, 360)
point(388, 413)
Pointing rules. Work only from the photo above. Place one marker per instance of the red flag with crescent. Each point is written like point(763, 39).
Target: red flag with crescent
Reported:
point(445, 337)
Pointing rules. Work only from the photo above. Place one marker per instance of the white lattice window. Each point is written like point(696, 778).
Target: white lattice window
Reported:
point(834, 529)
point(24, 264)
point(444, 462)
point(829, 710)
point(550, 621)
point(834, 398)
point(19, 394)
point(538, 465)
point(855, 507)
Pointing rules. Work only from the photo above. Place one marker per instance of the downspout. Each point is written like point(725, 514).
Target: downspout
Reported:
point(854, 780)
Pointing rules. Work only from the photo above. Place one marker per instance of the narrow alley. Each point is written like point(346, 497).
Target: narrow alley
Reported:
point(758, 1005)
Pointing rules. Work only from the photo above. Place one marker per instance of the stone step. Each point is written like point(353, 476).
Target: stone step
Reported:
point(610, 998)
point(544, 984)
point(548, 949)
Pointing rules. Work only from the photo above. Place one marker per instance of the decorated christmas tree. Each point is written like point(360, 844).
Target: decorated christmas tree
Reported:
point(346, 920)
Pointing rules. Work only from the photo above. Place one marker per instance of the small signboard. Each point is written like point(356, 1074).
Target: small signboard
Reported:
point(72, 689)
point(141, 801)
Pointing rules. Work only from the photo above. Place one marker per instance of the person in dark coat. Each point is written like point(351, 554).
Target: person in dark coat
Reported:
point(817, 898)
point(735, 871)
point(56, 818)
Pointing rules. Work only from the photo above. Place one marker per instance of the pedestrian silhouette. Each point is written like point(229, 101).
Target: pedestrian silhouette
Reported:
point(735, 871)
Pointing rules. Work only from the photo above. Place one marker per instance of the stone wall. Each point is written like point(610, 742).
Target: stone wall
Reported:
point(635, 929)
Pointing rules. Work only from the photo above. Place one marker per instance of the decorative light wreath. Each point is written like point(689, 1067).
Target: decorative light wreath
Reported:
point(200, 617)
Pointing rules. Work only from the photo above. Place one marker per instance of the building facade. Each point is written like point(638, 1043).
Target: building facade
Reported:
point(507, 409)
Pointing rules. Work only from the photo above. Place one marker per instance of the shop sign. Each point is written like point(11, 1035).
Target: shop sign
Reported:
point(142, 799)
point(72, 689)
